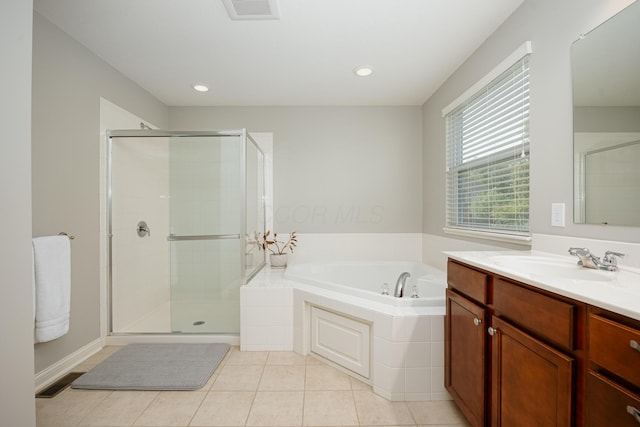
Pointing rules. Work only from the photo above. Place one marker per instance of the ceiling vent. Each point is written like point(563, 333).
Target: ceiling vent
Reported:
point(252, 9)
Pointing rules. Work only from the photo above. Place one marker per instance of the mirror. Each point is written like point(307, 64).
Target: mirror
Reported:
point(606, 122)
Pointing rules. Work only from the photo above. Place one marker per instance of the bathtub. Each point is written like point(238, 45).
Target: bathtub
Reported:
point(334, 311)
point(368, 279)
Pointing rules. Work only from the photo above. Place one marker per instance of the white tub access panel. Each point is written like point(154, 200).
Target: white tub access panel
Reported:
point(342, 340)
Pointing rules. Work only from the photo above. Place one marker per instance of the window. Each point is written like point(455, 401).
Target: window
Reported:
point(488, 155)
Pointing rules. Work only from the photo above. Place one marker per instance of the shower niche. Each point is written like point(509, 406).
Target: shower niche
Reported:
point(184, 211)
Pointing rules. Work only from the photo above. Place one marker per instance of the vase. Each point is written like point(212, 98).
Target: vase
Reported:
point(278, 260)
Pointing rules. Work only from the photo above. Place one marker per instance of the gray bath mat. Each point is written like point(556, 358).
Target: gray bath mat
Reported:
point(155, 367)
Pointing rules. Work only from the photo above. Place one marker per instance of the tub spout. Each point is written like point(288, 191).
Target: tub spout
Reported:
point(400, 284)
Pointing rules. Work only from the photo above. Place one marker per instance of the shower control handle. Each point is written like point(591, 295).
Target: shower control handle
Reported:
point(143, 229)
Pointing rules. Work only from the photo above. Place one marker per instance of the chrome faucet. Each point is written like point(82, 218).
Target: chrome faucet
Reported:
point(588, 260)
point(400, 284)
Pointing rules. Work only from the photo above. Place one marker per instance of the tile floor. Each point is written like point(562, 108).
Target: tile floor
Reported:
point(247, 389)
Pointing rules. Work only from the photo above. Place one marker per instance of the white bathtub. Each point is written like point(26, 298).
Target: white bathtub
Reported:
point(394, 344)
point(367, 279)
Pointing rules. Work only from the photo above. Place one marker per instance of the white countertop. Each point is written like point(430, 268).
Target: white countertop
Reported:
point(615, 291)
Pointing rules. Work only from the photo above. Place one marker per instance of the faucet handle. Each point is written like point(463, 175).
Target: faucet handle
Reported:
point(610, 257)
point(584, 256)
point(579, 251)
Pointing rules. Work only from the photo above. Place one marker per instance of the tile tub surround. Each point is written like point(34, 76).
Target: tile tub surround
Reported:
point(266, 312)
point(407, 359)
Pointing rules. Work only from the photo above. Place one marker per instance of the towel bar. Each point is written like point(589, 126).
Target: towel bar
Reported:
point(62, 233)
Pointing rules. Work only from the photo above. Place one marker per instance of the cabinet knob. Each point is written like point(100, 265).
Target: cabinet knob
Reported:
point(633, 412)
point(634, 345)
point(477, 321)
point(492, 331)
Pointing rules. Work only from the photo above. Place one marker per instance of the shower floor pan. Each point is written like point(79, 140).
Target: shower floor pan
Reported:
point(188, 317)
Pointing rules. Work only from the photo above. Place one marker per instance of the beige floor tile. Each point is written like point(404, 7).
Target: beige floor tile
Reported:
point(375, 410)
point(285, 358)
point(313, 361)
point(120, 408)
point(436, 412)
point(282, 378)
point(226, 357)
point(238, 378)
point(232, 349)
point(68, 407)
point(211, 379)
point(246, 358)
point(224, 408)
point(323, 377)
point(171, 408)
point(276, 380)
point(358, 385)
point(329, 408)
point(277, 408)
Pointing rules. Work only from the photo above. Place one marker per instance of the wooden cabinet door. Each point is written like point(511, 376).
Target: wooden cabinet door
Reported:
point(531, 382)
point(609, 404)
point(465, 350)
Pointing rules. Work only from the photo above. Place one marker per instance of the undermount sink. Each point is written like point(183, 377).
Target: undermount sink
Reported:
point(553, 268)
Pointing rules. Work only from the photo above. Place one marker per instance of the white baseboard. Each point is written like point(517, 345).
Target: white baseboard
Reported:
point(52, 373)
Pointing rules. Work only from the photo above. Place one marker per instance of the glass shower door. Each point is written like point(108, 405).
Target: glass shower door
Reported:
point(184, 213)
point(205, 223)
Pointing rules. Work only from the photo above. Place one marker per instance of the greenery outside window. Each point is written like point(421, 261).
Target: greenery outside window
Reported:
point(487, 136)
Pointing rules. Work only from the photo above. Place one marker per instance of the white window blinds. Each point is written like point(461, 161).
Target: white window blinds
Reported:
point(488, 156)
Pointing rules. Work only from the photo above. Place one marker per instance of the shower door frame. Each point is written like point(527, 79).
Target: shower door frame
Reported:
point(156, 133)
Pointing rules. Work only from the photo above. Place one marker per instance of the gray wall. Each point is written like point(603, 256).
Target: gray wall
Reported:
point(551, 26)
point(68, 81)
point(17, 406)
point(606, 119)
point(336, 169)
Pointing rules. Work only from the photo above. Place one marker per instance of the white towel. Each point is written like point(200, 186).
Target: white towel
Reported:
point(52, 270)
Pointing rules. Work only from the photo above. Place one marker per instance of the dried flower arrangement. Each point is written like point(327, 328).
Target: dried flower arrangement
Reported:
point(277, 247)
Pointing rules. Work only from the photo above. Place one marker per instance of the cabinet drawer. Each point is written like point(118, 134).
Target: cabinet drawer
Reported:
point(615, 347)
point(547, 317)
point(468, 281)
point(608, 404)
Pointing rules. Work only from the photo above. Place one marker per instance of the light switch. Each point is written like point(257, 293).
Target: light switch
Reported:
point(557, 214)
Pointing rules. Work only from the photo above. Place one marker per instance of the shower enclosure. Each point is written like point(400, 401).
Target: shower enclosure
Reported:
point(185, 210)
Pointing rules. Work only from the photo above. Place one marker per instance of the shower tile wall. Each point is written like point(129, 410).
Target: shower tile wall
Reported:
point(140, 264)
point(205, 200)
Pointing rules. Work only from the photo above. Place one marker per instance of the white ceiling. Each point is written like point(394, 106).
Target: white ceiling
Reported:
point(306, 57)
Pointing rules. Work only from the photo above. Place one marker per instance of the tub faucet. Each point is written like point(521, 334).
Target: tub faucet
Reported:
point(400, 284)
point(589, 260)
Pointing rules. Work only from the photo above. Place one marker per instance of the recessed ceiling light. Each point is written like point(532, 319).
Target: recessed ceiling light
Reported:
point(363, 71)
point(200, 88)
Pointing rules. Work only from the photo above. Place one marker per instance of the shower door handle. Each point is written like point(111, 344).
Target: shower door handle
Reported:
point(143, 229)
point(175, 238)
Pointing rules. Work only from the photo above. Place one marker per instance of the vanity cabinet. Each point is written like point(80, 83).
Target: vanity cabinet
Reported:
point(531, 383)
point(613, 377)
point(466, 351)
point(513, 355)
